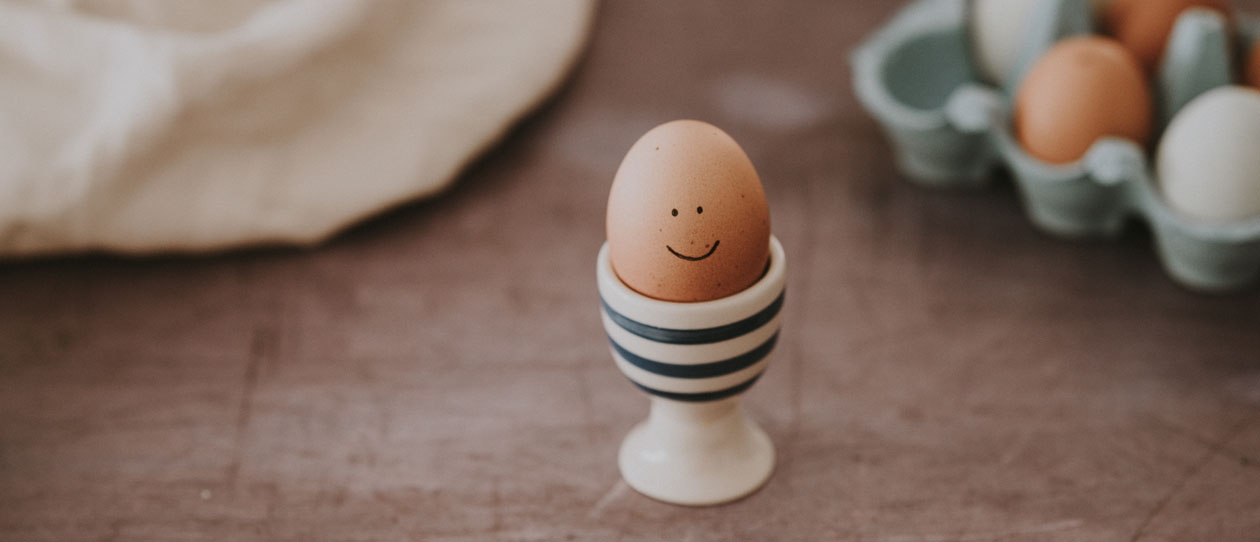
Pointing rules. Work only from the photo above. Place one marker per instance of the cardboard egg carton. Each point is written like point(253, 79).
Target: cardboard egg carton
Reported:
point(949, 129)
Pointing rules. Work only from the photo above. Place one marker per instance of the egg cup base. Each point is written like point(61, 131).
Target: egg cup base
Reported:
point(696, 454)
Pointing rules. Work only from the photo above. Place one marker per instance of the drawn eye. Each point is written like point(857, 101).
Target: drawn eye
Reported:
point(674, 212)
point(699, 210)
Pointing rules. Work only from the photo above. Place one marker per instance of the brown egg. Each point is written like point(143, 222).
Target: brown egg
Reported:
point(1143, 26)
point(1253, 66)
point(1082, 89)
point(687, 217)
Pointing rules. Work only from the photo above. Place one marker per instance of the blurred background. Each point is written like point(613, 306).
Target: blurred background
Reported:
point(325, 270)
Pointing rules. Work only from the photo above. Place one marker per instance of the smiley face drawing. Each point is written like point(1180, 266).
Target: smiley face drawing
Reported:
point(687, 216)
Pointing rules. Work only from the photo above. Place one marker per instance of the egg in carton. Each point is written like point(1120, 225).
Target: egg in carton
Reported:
point(918, 77)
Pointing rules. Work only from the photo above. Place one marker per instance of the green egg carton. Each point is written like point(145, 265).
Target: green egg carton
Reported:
point(950, 129)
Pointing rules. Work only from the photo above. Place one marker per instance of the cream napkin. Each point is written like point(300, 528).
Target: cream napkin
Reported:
point(184, 125)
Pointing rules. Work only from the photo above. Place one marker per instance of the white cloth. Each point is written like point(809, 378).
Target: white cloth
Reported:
point(181, 125)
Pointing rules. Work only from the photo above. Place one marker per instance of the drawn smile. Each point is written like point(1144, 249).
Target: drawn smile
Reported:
point(694, 258)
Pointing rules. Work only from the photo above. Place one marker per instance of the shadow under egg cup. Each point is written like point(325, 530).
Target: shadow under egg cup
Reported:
point(697, 446)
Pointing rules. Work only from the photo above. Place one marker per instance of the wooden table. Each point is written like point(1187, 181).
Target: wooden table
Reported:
point(946, 372)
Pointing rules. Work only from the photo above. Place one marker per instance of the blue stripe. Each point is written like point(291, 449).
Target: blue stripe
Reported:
point(701, 397)
point(695, 336)
point(699, 370)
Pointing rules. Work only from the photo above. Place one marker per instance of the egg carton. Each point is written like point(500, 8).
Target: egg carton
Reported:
point(950, 129)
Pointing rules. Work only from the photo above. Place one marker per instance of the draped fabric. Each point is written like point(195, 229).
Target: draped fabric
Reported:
point(154, 125)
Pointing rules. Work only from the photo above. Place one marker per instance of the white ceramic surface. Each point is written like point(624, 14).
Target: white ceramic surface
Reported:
point(697, 446)
point(696, 454)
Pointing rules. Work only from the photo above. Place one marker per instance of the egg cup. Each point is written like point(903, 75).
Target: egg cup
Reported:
point(949, 129)
point(697, 446)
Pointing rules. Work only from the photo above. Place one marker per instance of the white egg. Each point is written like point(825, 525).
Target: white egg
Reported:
point(998, 28)
point(1209, 162)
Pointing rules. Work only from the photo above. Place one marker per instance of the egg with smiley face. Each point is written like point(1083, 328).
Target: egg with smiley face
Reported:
point(687, 216)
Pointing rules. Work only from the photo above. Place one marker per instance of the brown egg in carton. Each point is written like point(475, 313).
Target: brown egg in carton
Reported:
point(950, 127)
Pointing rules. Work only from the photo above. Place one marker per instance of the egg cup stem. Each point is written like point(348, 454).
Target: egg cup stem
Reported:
point(696, 453)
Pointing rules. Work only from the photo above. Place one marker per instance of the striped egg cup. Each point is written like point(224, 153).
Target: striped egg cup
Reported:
point(697, 446)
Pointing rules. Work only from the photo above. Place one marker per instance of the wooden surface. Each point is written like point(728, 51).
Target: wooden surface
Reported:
point(945, 372)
